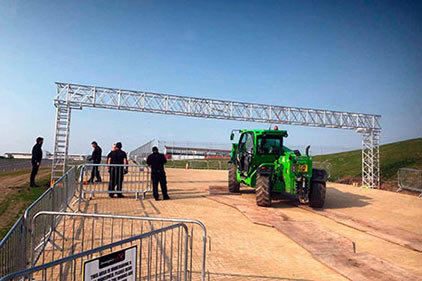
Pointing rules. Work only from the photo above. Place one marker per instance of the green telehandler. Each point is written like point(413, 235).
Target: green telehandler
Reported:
point(260, 160)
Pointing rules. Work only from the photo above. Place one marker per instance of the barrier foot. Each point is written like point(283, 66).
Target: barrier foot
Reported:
point(79, 199)
point(56, 246)
point(73, 211)
point(59, 234)
point(44, 241)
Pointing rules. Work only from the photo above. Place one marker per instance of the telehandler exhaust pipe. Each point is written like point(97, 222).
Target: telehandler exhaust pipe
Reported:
point(307, 150)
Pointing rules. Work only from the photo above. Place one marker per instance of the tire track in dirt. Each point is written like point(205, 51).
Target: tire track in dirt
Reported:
point(330, 248)
point(394, 235)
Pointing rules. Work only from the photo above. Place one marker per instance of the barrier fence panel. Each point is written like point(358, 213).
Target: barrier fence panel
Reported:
point(410, 179)
point(75, 233)
point(57, 198)
point(12, 250)
point(323, 166)
point(124, 179)
point(160, 254)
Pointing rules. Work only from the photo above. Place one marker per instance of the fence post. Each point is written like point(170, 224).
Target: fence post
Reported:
point(81, 179)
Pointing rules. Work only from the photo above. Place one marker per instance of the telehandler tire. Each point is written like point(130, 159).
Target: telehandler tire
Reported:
point(263, 190)
point(233, 184)
point(317, 194)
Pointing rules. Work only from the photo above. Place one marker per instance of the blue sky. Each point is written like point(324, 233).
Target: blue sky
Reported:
point(361, 56)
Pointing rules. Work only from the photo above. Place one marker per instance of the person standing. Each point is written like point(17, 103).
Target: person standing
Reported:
point(119, 157)
point(113, 148)
point(156, 161)
point(96, 159)
point(36, 160)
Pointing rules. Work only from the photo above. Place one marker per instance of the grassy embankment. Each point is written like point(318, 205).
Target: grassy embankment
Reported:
point(347, 166)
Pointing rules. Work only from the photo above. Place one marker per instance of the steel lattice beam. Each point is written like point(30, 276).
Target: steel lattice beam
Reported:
point(80, 96)
point(90, 96)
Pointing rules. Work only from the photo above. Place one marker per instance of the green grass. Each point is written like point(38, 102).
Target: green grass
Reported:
point(25, 196)
point(404, 154)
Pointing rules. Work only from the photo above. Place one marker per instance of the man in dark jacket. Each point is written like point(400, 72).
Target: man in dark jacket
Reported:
point(156, 161)
point(36, 160)
point(119, 157)
point(96, 159)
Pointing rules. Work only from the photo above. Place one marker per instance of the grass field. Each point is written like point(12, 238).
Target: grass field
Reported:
point(347, 166)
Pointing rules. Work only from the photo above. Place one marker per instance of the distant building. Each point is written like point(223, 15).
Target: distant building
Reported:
point(77, 157)
point(25, 155)
point(178, 152)
point(181, 150)
point(17, 155)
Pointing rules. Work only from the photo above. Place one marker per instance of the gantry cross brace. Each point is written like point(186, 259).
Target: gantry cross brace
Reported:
point(79, 96)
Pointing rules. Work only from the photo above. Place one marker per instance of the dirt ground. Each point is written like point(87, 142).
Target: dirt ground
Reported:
point(8, 184)
point(13, 184)
point(253, 243)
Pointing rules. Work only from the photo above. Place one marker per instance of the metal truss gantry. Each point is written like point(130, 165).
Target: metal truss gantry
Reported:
point(73, 96)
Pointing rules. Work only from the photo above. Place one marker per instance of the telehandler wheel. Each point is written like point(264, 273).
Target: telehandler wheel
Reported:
point(233, 184)
point(317, 194)
point(263, 190)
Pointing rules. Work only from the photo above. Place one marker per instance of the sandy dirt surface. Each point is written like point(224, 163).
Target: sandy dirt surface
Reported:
point(390, 208)
point(244, 250)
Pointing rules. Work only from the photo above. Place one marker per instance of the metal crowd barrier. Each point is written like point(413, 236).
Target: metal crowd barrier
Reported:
point(75, 233)
point(15, 250)
point(160, 254)
point(12, 250)
point(57, 198)
point(132, 179)
point(410, 179)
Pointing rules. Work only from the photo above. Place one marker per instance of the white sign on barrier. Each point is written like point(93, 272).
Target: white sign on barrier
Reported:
point(119, 265)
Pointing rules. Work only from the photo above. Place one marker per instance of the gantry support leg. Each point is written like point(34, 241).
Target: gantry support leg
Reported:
point(370, 159)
